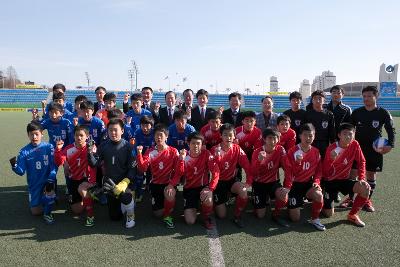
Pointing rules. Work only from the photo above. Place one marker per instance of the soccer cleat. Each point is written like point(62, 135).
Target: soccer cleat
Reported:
point(89, 221)
point(169, 222)
point(356, 220)
point(346, 203)
point(280, 221)
point(208, 224)
point(368, 206)
point(130, 221)
point(317, 224)
point(238, 221)
point(49, 219)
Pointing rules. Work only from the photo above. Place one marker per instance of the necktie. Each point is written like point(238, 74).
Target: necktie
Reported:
point(203, 114)
point(170, 114)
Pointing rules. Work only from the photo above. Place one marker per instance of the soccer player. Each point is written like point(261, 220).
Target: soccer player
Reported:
point(288, 135)
point(37, 160)
point(109, 102)
point(83, 176)
point(162, 161)
point(340, 111)
point(322, 120)
point(265, 163)
point(197, 186)
point(77, 110)
point(248, 135)
point(369, 121)
point(267, 118)
point(210, 131)
point(59, 88)
point(128, 131)
point(179, 131)
point(304, 177)
point(228, 156)
point(233, 115)
point(137, 111)
point(337, 165)
point(296, 114)
point(119, 172)
point(59, 97)
point(198, 114)
point(100, 92)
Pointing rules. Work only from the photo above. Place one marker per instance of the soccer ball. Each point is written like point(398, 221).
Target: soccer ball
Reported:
point(379, 143)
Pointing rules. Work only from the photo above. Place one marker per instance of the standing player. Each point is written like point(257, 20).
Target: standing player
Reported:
point(37, 160)
point(96, 126)
point(265, 164)
point(248, 135)
point(337, 164)
point(179, 131)
point(369, 121)
point(288, 135)
point(82, 175)
point(118, 164)
point(228, 156)
point(322, 120)
point(137, 111)
point(305, 177)
point(296, 114)
point(340, 111)
point(162, 161)
point(59, 88)
point(110, 100)
point(210, 131)
point(197, 185)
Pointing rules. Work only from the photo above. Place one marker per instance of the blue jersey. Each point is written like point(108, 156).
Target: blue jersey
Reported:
point(177, 139)
point(70, 116)
point(135, 123)
point(68, 110)
point(61, 130)
point(38, 163)
point(144, 140)
point(96, 128)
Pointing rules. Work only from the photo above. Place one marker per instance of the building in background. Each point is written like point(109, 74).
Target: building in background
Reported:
point(324, 81)
point(273, 84)
point(305, 88)
point(388, 80)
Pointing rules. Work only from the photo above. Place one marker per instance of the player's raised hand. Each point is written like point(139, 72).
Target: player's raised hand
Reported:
point(139, 149)
point(132, 141)
point(157, 107)
point(35, 114)
point(218, 151)
point(13, 161)
point(262, 155)
point(188, 112)
point(182, 154)
point(92, 148)
point(75, 121)
point(299, 157)
point(317, 186)
point(220, 110)
point(128, 120)
point(59, 144)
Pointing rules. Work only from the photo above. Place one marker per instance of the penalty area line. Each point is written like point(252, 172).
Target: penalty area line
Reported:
point(217, 257)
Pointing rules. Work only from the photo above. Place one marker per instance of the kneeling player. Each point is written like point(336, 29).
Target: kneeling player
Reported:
point(82, 175)
point(162, 160)
point(229, 155)
point(265, 164)
point(119, 172)
point(337, 164)
point(37, 160)
point(197, 186)
point(305, 177)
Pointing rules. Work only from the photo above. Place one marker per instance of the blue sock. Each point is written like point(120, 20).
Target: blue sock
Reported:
point(48, 202)
point(139, 185)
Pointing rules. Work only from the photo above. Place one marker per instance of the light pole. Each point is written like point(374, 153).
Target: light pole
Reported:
point(131, 75)
point(135, 70)
point(87, 78)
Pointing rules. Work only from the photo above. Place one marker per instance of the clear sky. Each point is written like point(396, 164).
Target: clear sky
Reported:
point(223, 44)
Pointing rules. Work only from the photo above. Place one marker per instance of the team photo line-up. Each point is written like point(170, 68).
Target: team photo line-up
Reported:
point(111, 156)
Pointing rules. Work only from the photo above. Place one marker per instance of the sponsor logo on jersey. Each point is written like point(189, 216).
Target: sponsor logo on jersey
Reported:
point(324, 124)
point(375, 124)
point(297, 122)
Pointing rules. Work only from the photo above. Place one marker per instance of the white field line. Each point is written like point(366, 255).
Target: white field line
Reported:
point(217, 257)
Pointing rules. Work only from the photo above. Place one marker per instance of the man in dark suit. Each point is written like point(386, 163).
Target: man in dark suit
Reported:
point(198, 115)
point(166, 114)
point(233, 115)
point(187, 100)
point(100, 92)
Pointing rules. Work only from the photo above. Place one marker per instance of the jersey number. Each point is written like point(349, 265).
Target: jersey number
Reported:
point(38, 165)
point(306, 165)
point(161, 165)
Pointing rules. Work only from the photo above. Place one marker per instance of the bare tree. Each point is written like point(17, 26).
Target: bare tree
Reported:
point(12, 78)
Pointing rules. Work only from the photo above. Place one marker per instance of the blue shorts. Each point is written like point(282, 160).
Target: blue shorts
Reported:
point(35, 196)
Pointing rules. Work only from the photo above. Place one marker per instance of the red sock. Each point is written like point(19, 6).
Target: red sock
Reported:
point(279, 204)
point(358, 204)
point(88, 204)
point(168, 207)
point(316, 209)
point(240, 205)
point(206, 210)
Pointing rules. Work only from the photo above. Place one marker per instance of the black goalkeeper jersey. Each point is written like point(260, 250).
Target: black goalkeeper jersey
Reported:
point(324, 124)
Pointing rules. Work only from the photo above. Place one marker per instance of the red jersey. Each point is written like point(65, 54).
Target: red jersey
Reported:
point(228, 161)
point(249, 141)
point(77, 162)
point(103, 115)
point(196, 171)
point(288, 139)
point(211, 137)
point(162, 163)
point(339, 169)
point(306, 170)
point(266, 171)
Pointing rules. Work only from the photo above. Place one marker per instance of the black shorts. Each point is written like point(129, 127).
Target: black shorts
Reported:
point(157, 195)
point(373, 159)
point(76, 197)
point(264, 191)
point(114, 208)
point(297, 194)
point(223, 189)
point(191, 197)
point(332, 189)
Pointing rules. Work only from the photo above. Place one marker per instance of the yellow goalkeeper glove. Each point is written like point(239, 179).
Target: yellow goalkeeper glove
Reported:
point(121, 187)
